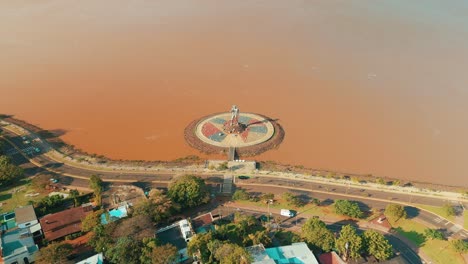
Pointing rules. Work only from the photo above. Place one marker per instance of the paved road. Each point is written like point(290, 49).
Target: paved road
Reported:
point(74, 176)
point(365, 203)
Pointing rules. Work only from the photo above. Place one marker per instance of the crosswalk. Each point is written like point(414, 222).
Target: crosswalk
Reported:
point(227, 184)
point(453, 230)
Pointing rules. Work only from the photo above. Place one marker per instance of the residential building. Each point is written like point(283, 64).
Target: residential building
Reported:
point(297, 253)
point(17, 246)
point(96, 259)
point(26, 218)
point(64, 223)
point(177, 234)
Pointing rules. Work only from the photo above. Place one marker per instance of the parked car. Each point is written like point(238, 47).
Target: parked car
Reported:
point(288, 213)
point(243, 177)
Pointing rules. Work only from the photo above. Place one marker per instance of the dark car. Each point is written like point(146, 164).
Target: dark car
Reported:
point(243, 177)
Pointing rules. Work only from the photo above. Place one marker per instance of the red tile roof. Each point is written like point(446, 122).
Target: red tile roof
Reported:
point(330, 258)
point(202, 220)
point(64, 223)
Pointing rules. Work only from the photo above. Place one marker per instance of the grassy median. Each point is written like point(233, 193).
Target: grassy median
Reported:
point(438, 210)
point(439, 251)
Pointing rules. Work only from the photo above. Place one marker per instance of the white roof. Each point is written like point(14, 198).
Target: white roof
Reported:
point(96, 259)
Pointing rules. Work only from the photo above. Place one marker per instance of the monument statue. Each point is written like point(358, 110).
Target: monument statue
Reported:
point(233, 126)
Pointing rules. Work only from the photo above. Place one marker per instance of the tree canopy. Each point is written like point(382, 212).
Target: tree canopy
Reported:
point(377, 245)
point(9, 171)
point(125, 250)
point(54, 253)
point(459, 245)
point(164, 254)
point(449, 209)
point(91, 221)
point(315, 232)
point(240, 194)
point(199, 244)
point(96, 184)
point(433, 234)
point(349, 236)
point(229, 253)
point(189, 191)
point(395, 212)
point(158, 206)
point(292, 199)
point(349, 208)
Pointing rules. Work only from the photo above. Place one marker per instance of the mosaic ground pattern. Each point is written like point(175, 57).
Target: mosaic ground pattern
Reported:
point(258, 130)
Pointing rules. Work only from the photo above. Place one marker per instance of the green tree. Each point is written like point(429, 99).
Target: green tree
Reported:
point(74, 194)
point(348, 236)
point(459, 245)
point(292, 199)
point(315, 232)
point(189, 191)
point(91, 221)
point(125, 250)
point(240, 195)
point(101, 239)
point(381, 181)
point(448, 209)
point(54, 253)
point(164, 254)
point(433, 234)
point(9, 171)
point(199, 245)
point(96, 184)
point(158, 206)
point(49, 204)
point(377, 245)
point(395, 212)
point(229, 253)
point(349, 208)
point(260, 237)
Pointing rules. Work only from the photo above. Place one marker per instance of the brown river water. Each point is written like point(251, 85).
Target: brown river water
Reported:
point(374, 87)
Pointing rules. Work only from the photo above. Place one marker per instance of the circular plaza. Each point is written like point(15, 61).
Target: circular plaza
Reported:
point(250, 134)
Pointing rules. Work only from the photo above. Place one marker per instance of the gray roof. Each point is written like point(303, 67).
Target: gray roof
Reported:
point(25, 214)
point(17, 241)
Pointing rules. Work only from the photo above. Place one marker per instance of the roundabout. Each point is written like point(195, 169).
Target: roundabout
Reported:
point(248, 133)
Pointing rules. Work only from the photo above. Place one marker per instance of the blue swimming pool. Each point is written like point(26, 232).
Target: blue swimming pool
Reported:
point(114, 215)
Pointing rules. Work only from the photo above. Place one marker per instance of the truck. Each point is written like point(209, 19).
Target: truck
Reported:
point(288, 213)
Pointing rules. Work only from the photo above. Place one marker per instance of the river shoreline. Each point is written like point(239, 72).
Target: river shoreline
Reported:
point(192, 161)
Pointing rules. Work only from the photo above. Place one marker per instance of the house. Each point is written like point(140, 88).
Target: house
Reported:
point(58, 225)
point(297, 253)
point(26, 218)
point(17, 246)
point(203, 223)
point(330, 258)
point(96, 259)
point(178, 234)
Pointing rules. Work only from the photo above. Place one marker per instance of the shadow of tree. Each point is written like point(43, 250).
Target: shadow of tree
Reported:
point(417, 238)
point(411, 212)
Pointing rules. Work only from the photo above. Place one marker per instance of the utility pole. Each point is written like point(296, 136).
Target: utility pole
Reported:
point(268, 205)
